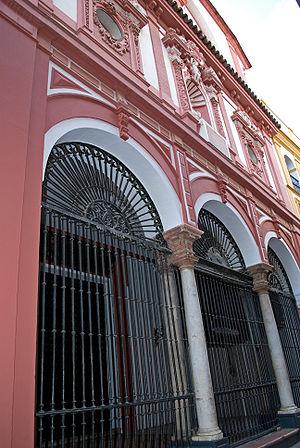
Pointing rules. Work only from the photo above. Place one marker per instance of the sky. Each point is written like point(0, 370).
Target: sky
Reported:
point(269, 32)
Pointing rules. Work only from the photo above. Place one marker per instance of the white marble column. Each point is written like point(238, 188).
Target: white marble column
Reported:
point(260, 284)
point(180, 240)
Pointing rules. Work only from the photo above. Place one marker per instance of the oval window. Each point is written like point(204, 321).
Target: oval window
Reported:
point(252, 155)
point(109, 24)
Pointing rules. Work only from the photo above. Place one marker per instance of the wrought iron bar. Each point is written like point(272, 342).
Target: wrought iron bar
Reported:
point(287, 318)
point(112, 363)
point(244, 384)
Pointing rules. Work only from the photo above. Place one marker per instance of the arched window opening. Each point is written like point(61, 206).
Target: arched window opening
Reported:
point(287, 318)
point(293, 173)
point(235, 335)
point(217, 244)
point(90, 183)
point(112, 357)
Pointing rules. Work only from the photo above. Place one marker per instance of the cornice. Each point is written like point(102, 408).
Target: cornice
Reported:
point(228, 33)
point(282, 139)
point(208, 44)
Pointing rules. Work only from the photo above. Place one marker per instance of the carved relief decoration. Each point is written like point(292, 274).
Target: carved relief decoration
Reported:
point(87, 12)
point(243, 117)
point(136, 32)
point(121, 45)
point(212, 94)
point(174, 56)
point(123, 115)
point(210, 78)
point(253, 147)
point(223, 187)
point(127, 17)
point(188, 63)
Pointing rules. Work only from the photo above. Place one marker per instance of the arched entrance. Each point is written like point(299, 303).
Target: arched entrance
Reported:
point(244, 384)
point(112, 365)
point(287, 318)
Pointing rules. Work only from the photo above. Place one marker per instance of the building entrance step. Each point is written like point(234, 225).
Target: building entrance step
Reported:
point(283, 438)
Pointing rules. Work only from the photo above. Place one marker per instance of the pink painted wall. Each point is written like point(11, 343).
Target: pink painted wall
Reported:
point(23, 69)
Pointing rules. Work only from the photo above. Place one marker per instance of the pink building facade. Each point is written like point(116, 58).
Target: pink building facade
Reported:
point(160, 89)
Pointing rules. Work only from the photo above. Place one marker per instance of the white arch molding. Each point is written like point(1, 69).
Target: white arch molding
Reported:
point(288, 261)
point(234, 223)
point(131, 153)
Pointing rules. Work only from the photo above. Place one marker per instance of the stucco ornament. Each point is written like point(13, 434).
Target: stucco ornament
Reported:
point(210, 78)
point(120, 45)
point(188, 63)
point(223, 187)
point(123, 115)
point(253, 140)
point(243, 117)
point(213, 86)
point(175, 58)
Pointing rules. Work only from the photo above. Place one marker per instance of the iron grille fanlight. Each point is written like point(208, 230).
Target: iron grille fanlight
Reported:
point(217, 244)
point(86, 181)
point(278, 279)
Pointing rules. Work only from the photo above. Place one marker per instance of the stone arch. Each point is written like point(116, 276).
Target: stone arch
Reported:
point(131, 153)
point(234, 222)
point(288, 261)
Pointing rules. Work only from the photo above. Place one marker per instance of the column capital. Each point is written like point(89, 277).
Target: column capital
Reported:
point(260, 273)
point(180, 240)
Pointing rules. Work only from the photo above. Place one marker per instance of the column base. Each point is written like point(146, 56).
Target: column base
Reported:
point(222, 443)
point(289, 419)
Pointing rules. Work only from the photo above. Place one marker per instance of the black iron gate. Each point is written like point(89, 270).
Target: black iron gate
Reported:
point(112, 364)
point(244, 384)
point(287, 319)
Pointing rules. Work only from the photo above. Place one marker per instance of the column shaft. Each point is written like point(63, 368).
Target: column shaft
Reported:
point(205, 403)
point(180, 240)
point(260, 274)
point(277, 355)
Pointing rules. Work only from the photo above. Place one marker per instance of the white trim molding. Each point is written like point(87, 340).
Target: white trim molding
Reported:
point(131, 153)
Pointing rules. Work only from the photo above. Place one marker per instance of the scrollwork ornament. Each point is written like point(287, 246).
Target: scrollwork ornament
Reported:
point(136, 32)
point(121, 46)
point(108, 215)
point(175, 58)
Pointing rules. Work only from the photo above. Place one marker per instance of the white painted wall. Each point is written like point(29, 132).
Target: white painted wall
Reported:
point(149, 66)
point(68, 7)
point(230, 109)
point(209, 28)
